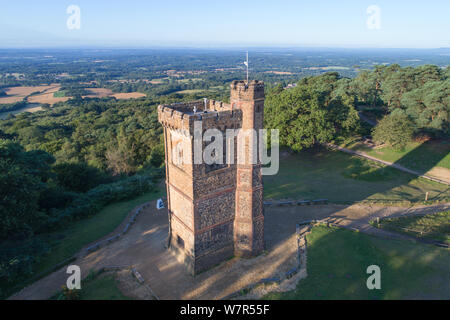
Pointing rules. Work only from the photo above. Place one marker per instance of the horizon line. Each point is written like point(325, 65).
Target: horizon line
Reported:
point(214, 47)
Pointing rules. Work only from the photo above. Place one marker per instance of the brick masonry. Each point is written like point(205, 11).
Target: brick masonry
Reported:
point(216, 211)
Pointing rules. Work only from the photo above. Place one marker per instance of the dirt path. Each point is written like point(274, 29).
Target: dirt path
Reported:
point(442, 180)
point(143, 248)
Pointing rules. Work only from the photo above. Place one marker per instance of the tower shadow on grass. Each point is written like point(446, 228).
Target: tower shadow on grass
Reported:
point(342, 178)
point(419, 161)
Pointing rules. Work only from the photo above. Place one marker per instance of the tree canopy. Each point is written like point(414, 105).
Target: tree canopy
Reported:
point(317, 110)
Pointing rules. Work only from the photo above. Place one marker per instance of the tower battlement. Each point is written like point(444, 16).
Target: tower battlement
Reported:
point(181, 116)
point(247, 91)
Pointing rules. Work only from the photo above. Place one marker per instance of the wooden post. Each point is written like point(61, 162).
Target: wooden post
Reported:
point(426, 196)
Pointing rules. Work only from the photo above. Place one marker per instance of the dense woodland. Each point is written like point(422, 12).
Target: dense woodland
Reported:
point(323, 108)
point(67, 162)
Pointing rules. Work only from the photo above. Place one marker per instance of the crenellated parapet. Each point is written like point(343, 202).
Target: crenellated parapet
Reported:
point(214, 105)
point(216, 115)
point(243, 91)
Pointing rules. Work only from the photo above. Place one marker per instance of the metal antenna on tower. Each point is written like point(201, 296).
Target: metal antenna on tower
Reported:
point(246, 63)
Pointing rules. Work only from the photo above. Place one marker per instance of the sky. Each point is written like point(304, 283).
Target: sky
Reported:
point(198, 23)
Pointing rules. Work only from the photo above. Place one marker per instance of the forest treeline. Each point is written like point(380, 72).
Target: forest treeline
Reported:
point(325, 107)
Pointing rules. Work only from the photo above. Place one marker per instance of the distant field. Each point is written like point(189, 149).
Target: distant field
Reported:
point(50, 96)
point(340, 177)
point(191, 91)
point(17, 94)
point(104, 93)
point(279, 72)
point(130, 95)
point(98, 93)
point(338, 260)
point(31, 107)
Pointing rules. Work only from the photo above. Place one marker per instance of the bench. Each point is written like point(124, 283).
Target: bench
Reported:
point(291, 273)
point(285, 203)
point(320, 201)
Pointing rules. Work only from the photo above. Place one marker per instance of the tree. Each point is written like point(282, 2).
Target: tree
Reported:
point(429, 106)
point(22, 180)
point(312, 112)
point(395, 130)
point(78, 177)
point(121, 156)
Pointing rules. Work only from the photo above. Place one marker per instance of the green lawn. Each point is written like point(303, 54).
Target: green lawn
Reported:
point(103, 287)
point(433, 226)
point(338, 260)
point(60, 94)
point(88, 230)
point(192, 91)
point(340, 177)
point(416, 156)
point(98, 285)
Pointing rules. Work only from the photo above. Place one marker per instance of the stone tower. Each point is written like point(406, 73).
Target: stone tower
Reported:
point(215, 210)
point(249, 218)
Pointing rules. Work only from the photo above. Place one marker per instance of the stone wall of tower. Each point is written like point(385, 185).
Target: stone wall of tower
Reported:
point(214, 197)
point(249, 218)
point(201, 201)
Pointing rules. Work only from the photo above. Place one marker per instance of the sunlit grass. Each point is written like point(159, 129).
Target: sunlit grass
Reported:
point(338, 260)
point(436, 153)
point(433, 226)
point(340, 177)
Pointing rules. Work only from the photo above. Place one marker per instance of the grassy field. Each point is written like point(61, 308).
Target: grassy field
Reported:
point(340, 177)
point(103, 287)
point(59, 94)
point(85, 231)
point(191, 91)
point(434, 226)
point(99, 285)
point(338, 260)
point(416, 156)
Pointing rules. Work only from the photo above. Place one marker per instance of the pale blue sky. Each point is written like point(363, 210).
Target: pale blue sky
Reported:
point(331, 23)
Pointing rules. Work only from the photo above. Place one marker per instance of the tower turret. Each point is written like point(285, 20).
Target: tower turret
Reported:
point(249, 219)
